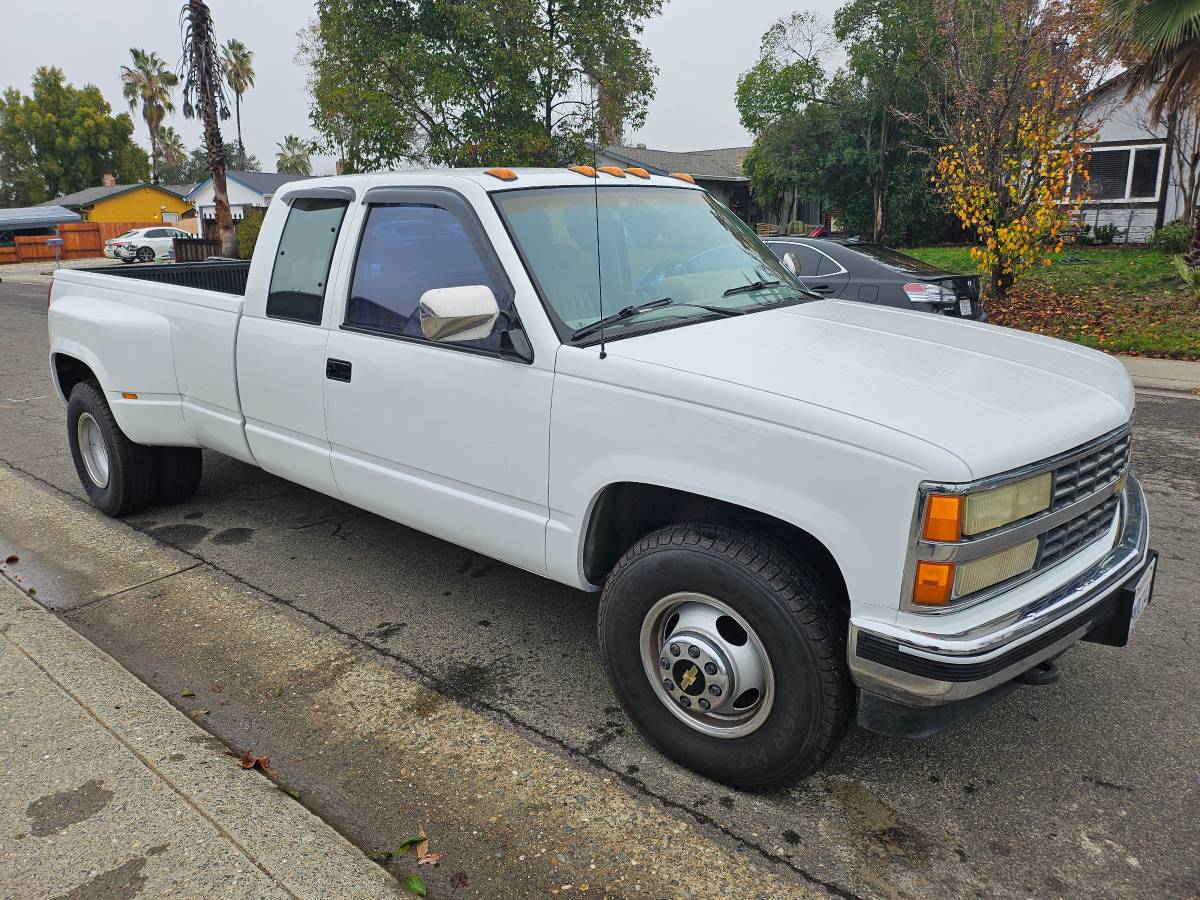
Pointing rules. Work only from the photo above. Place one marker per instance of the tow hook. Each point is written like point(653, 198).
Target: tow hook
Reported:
point(1043, 673)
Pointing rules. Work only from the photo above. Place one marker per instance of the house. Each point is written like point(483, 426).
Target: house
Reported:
point(717, 171)
point(1138, 176)
point(29, 225)
point(133, 203)
point(246, 190)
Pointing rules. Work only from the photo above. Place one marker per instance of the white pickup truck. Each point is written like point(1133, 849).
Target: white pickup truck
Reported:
point(799, 511)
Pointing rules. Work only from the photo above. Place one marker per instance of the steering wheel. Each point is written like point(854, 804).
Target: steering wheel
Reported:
point(662, 270)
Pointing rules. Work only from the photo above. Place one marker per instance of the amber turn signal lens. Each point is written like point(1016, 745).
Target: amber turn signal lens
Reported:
point(502, 174)
point(683, 176)
point(933, 584)
point(943, 518)
point(128, 395)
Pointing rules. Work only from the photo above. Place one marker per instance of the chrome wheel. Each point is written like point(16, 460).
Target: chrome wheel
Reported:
point(707, 665)
point(92, 449)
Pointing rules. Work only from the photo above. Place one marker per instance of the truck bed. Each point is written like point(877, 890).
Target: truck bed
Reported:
point(161, 341)
point(224, 276)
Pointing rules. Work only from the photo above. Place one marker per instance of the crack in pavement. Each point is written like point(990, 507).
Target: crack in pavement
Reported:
point(448, 689)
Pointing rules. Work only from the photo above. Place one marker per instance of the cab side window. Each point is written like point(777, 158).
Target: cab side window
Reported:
point(303, 259)
point(406, 250)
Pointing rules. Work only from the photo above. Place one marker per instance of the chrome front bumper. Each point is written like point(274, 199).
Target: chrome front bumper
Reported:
point(923, 669)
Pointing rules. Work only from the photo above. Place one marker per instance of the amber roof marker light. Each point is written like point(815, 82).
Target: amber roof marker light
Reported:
point(640, 173)
point(615, 171)
point(683, 176)
point(583, 170)
point(502, 174)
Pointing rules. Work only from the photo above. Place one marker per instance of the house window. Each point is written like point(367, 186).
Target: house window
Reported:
point(1124, 173)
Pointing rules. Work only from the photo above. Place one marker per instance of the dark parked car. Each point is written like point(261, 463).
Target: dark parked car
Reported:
point(871, 273)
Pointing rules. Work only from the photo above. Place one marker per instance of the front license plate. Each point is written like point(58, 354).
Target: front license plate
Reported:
point(1141, 592)
point(964, 306)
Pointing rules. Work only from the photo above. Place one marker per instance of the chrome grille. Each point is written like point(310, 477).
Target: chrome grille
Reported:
point(1083, 477)
point(1075, 534)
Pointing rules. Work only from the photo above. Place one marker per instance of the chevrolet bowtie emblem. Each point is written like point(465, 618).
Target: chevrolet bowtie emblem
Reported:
point(688, 677)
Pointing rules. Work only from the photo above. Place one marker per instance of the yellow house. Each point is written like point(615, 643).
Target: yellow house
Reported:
point(126, 203)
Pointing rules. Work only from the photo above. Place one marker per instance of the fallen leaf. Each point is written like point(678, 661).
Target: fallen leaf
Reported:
point(459, 879)
point(380, 856)
point(410, 843)
point(197, 713)
point(32, 591)
point(422, 848)
point(247, 760)
point(189, 693)
point(429, 859)
point(12, 560)
point(415, 884)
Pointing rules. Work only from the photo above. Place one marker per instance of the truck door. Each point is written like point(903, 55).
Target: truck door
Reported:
point(281, 343)
point(449, 438)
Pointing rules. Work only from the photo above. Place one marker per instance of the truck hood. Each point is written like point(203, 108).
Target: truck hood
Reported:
point(994, 397)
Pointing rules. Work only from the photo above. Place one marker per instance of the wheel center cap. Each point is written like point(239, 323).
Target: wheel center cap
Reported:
point(689, 677)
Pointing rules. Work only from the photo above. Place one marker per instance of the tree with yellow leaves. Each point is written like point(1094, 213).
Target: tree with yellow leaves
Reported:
point(1008, 117)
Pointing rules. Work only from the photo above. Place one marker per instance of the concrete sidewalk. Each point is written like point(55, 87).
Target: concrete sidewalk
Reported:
point(107, 790)
point(1179, 375)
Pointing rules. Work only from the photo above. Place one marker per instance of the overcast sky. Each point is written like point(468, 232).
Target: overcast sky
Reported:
point(699, 46)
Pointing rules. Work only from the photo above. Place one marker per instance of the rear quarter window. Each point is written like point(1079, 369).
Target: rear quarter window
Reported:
point(303, 259)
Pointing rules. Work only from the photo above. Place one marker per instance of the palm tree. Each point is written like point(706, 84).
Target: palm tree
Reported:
point(204, 95)
point(172, 152)
point(1159, 40)
point(293, 156)
point(148, 83)
point(238, 62)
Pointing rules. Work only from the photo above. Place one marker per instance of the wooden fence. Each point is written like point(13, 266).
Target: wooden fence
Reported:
point(195, 249)
point(81, 240)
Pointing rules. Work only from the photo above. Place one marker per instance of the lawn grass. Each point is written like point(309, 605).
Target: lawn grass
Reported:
point(1119, 299)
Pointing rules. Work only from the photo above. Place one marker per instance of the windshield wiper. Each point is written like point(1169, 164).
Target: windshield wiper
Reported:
point(750, 288)
point(631, 311)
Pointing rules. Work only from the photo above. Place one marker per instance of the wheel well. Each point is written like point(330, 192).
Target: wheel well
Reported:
point(69, 371)
point(624, 512)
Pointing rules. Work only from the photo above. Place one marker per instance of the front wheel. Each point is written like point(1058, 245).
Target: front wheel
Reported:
point(728, 652)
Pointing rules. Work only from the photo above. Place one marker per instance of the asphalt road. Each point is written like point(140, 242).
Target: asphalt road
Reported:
point(1088, 787)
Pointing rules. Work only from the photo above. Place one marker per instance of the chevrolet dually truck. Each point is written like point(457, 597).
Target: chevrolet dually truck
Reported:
point(798, 511)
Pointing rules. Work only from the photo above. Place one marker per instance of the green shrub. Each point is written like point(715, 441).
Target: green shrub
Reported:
point(1190, 276)
point(1106, 234)
point(247, 232)
point(1172, 237)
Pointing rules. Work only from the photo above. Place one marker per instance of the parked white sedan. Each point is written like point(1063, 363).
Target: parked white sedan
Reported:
point(143, 244)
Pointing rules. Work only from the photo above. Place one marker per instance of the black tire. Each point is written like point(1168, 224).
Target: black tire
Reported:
point(145, 254)
point(791, 610)
point(179, 472)
point(132, 468)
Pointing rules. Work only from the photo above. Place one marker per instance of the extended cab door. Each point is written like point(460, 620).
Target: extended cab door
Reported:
point(282, 337)
point(449, 438)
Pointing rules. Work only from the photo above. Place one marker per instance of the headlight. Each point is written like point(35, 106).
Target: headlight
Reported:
point(983, 573)
point(1004, 505)
point(948, 517)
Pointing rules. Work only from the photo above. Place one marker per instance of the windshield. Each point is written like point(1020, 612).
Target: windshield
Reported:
point(654, 243)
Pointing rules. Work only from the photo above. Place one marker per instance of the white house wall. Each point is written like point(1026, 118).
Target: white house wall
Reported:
point(240, 196)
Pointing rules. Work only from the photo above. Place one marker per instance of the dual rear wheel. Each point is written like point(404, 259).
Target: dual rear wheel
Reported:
point(119, 476)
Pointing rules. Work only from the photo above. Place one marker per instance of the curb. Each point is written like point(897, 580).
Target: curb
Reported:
point(265, 828)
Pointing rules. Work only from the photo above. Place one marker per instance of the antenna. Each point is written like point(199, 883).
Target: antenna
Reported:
point(596, 204)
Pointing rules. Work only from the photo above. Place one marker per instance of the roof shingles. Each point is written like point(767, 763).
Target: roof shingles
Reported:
point(724, 163)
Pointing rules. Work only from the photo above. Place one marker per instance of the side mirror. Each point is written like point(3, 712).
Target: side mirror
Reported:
point(791, 263)
point(458, 313)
